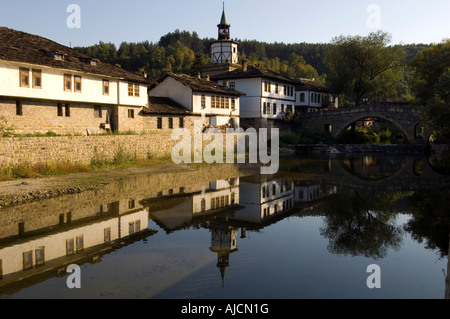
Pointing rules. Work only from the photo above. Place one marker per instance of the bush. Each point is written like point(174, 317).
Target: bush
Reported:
point(5, 129)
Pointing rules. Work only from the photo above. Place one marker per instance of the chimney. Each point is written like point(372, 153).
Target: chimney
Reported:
point(244, 65)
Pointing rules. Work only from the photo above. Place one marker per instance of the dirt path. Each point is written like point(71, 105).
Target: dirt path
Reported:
point(24, 190)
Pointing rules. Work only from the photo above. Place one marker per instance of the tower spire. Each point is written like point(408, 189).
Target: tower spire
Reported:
point(224, 27)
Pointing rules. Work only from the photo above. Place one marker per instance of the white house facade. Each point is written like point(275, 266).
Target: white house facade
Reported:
point(45, 86)
point(313, 97)
point(217, 105)
point(269, 96)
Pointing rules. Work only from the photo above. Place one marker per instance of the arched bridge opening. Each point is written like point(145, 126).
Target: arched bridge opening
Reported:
point(405, 121)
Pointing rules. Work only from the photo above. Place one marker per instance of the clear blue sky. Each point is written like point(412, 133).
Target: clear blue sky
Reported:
point(288, 21)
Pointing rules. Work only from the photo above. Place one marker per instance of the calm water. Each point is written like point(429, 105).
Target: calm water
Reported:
point(309, 231)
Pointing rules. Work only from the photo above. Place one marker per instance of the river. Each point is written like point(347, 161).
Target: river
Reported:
point(325, 228)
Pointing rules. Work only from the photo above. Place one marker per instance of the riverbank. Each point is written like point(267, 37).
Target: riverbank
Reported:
point(19, 191)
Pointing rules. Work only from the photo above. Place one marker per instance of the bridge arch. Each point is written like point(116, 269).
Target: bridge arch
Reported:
point(343, 127)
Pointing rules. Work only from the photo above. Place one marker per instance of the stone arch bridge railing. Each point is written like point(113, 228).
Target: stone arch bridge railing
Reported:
point(408, 119)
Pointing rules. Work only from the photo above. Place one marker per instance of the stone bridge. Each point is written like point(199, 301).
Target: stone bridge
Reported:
point(406, 118)
point(407, 174)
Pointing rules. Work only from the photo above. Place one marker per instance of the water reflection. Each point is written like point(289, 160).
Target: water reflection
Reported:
point(358, 199)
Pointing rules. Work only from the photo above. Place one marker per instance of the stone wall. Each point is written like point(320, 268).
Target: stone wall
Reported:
point(82, 149)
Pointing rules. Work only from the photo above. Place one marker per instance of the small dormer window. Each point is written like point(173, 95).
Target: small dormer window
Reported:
point(88, 61)
point(58, 56)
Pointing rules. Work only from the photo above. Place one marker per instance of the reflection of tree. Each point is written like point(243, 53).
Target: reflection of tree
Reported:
point(431, 222)
point(361, 224)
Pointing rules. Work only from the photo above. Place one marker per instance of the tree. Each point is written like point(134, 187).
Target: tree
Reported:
point(431, 87)
point(364, 67)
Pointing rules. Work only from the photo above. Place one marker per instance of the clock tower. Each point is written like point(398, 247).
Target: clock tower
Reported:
point(224, 51)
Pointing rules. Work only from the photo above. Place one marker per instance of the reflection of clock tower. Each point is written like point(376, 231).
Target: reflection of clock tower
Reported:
point(223, 242)
point(224, 51)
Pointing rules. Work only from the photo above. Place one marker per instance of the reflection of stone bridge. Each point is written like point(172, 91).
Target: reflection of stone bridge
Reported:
point(412, 174)
point(406, 118)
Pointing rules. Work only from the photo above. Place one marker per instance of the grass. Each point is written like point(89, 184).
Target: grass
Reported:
point(121, 159)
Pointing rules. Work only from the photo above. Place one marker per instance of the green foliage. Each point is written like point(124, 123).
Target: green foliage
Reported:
point(385, 135)
point(365, 67)
point(430, 85)
point(5, 129)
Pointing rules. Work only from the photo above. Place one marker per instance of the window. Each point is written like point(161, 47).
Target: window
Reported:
point(27, 260)
point(70, 247)
point(131, 114)
point(131, 228)
point(170, 123)
point(37, 79)
point(274, 108)
point(203, 205)
point(181, 122)
point(213, 102)
point(80, 243)
point(77, 80)
point(67, 82)
point(24, 77)
point(40, 256)
point(159, 123)
point(130, 89)
point(233, 104)
point(267, 87)
point(264, 108)
point(131, 204)
point(227, 103)
point(60, 109)
point(67, 107)
point(232, 85)
point(19, 109)
point(133, 89)
point(203, 102)
point(97, 111)
point(302, 97)
point(105, 87)
point(276, 88)
point(107, 235)
point(222, 102)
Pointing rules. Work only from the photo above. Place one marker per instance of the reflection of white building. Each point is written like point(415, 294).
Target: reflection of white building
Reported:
point(176, 211)
point(37, 254)
point(264, 199)
point(309, 191)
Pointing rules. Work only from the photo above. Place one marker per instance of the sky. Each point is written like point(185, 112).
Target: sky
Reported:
point(286, 21)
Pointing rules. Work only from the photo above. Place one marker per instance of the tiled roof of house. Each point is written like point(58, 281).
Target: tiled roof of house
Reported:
point(251, 72)
point(23, 47)
point(201, 85)
point(309, 84)
point(164, 105)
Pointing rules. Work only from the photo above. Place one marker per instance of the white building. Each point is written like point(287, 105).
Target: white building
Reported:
point(269, 96)
point(219, 106)
point(310, 96)
point(45, 86)
point(264, 199)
